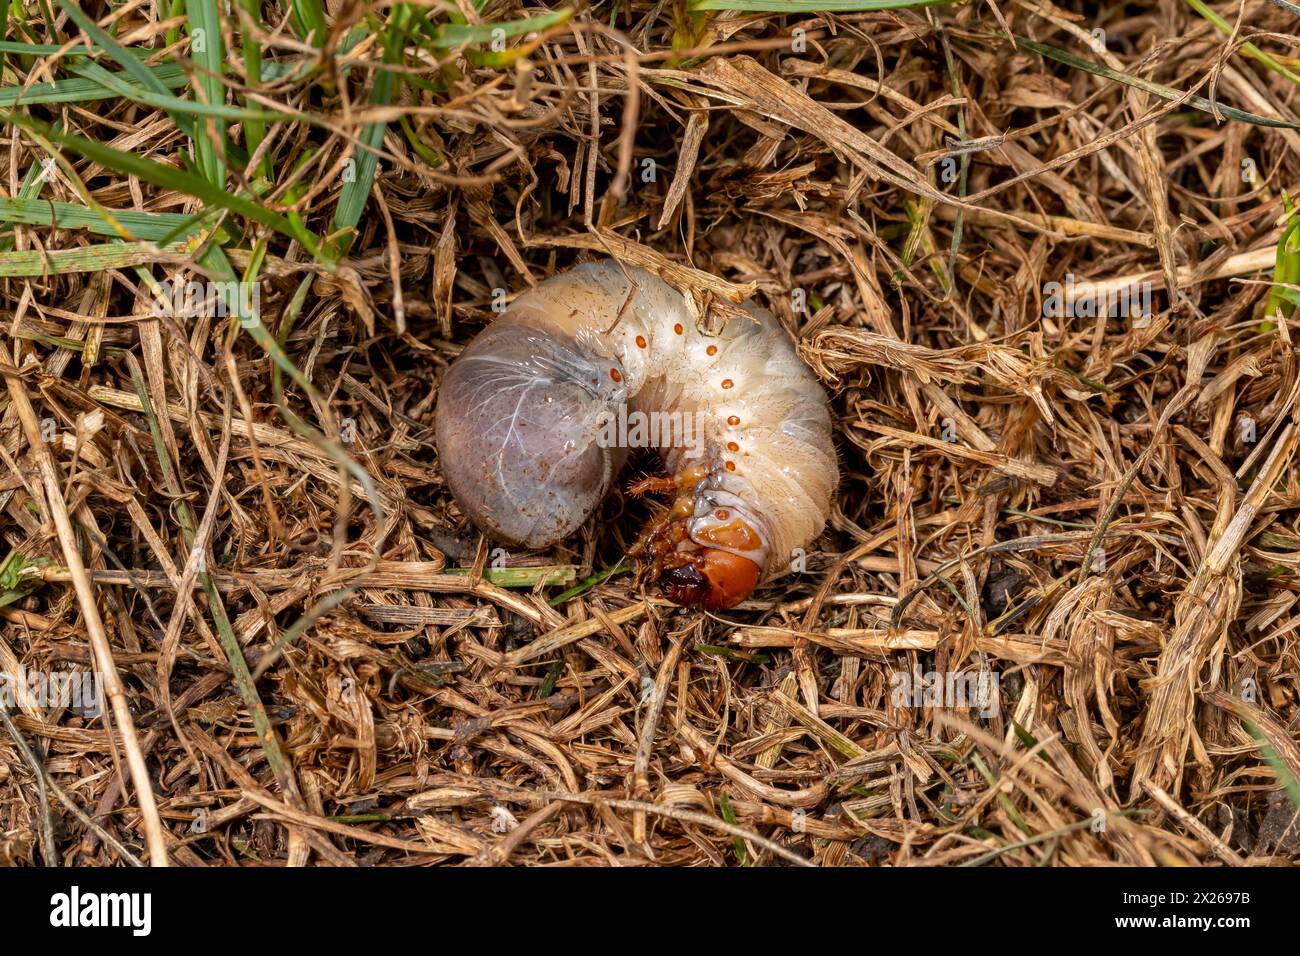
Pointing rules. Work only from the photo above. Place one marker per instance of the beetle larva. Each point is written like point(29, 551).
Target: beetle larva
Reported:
point(525, 414)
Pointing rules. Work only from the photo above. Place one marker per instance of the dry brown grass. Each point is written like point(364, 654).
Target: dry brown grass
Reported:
point(1070, 504)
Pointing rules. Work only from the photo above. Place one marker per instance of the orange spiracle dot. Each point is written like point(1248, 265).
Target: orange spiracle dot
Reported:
point(678, 328)
point(614, 374)
point(732, 446)
point(640, 341)
point(722, 514)
point(712, 350)
point(727, 383)
point(733, 420)
point(731, 466)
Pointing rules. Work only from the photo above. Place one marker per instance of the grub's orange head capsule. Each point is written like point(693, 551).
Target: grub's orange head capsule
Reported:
point(713, 580)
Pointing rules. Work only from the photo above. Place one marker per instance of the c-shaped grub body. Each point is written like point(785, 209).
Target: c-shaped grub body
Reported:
point(536, 416)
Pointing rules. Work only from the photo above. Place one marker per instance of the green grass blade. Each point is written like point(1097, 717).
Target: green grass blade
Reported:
point(1274, 760)
point(12, 586)
point(131, 63)
point(586, 585)
point(206, 49)
point(457, 34)
point(309, 20)
point(50, 49)
point(1286, 269)
point(254, 129)
point(149, 226)
point(1249, 49)
point(96, 258)
point(729, 815)
point(356, 191)
point(80, 90)
point(214, 259)
point(528, 577)
point(28, 190)
point(169, 177)
point(1199, 102)
point(175, 105)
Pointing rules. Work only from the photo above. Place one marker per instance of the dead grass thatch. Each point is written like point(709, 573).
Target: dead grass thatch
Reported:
point(308, 656)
